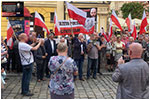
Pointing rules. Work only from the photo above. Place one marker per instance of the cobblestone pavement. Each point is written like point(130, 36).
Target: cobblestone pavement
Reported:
point(101, 88)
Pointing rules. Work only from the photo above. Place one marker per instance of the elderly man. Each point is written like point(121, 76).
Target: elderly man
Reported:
point(26, 61)
point(40, 59)
point(133, 77)
point(131, 40)
point(50, 46)
point(92, 48)
point(32, 38)
point(93, 12)
point(79, 47)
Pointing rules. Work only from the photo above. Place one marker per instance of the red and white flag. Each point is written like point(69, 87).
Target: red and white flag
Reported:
point(115, 20)
point(134, 33)
point(39, 22)
point(129, 22)
point(104, 34)
point(144, 23)
point(9, 35)
point(76, 13)
point(57, 28)
point(110, 29)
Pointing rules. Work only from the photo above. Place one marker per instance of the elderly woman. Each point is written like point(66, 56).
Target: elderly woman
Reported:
point(119, 48)
point(63, 69)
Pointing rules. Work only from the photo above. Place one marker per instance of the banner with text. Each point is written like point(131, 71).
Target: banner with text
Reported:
point(67, 27)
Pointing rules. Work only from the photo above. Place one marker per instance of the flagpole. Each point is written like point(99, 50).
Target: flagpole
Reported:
point(71, 28)
point(15, 36)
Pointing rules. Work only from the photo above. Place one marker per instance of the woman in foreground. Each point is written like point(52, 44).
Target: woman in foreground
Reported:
point(63, 69)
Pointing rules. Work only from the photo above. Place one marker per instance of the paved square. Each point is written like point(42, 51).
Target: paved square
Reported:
point(101, 88)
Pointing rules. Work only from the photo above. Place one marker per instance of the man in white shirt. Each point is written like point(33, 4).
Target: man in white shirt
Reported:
point(50, 46)
point(27, 60)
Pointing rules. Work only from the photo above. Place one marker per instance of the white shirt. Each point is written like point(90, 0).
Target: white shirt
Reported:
point(25, 53)
point(52, 44)
point(81, 47)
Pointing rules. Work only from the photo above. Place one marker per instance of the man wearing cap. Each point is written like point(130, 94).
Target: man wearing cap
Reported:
point(50, 46)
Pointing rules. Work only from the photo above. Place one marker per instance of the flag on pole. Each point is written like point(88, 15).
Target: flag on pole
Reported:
point(129, 22)
point(134, 33)
point(115, 20)
point(104, 34)
point(40, 22)
point(110, 29)
point(145, 29)
point(57, 28)
point(144, 23)
point(76, 13)
point(9, 35)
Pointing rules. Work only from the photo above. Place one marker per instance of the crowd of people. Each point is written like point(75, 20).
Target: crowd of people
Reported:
point(62, 59)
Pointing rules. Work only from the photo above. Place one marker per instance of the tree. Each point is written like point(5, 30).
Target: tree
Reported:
point(136, 9)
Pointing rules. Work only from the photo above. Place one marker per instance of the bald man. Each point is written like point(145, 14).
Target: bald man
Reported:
point(133, 77)
point(27, 60)
point(93, 12)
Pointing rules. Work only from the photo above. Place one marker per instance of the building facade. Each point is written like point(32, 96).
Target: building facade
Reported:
point(47, 8)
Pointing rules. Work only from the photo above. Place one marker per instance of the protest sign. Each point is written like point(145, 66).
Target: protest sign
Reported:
point(67, 27)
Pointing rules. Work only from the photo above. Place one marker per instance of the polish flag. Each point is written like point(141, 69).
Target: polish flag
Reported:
point(39, 22)
point(76, 13)
point(144, 23)
point(145, 29)
point(9, 36)
point(115, 20)
point(134, 33)
point(104, 34)
point(57, 28)
point(110, 29)
point(129, 22)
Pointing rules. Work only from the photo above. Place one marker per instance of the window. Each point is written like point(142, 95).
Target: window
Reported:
point(52, 17)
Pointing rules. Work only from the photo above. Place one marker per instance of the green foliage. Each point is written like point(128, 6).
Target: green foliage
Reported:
point(117, 12)
point(136, 9)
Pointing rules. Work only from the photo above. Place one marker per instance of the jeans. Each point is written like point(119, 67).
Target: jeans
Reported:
point(91, 62)
point(27, 73)
point(79, 63)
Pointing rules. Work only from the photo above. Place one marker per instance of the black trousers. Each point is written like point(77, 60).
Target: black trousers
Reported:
point(11, 57)
point(46, 68)
point(99, 63)
point(66, 96)
point(40, 69)
point(18, 62)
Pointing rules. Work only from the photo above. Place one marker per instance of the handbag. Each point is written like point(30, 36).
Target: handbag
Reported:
point(4, 60)
point(57, 70)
